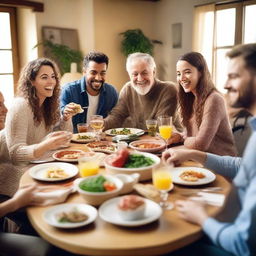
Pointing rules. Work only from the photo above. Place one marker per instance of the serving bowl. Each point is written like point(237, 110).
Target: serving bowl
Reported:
point(148, 145)
point(145, 172)
point(97, 198)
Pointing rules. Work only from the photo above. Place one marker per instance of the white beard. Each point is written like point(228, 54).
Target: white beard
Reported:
point(142, 90)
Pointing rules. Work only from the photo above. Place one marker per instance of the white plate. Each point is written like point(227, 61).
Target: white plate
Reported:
point(108, 211)
point(133, 131)
point(51, 219)
point(39, 172)
point(104, 146)
point(177, 171)
point(90, 134)
point(57, 155)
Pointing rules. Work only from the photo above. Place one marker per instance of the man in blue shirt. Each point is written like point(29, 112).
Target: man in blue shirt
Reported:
point(91, 92)
point(236, 236)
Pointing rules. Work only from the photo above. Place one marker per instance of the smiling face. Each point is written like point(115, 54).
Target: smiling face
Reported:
point(95, 74)
point(187, 76)
point(44, 83)
point(3, 111)
point(240, 85)
point(142, 76)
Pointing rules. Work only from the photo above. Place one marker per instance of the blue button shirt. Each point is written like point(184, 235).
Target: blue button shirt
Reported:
point(76, 92)
point(238, 237)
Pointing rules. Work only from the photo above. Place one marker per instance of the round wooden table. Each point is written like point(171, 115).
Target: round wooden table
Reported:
point(101, 238)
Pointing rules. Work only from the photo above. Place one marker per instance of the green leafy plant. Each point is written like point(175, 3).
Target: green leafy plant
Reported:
point(63, 55)
point(135, 41)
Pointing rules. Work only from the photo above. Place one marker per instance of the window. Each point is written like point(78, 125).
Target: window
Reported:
point(8, 53)
point(232, 24)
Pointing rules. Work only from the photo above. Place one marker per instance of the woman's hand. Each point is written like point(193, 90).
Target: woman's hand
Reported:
point(58, 139)
point(191, 211)
point(24, 196)
point(175, 138)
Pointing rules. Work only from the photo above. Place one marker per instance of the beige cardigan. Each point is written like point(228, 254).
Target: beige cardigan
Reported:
point(22, 134)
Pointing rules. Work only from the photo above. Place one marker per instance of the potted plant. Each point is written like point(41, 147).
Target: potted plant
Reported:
point(63, 55)
point(134, 40)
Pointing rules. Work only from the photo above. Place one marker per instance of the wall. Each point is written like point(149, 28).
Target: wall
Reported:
point(170, 12)
point(113, 17)
point(74, 14)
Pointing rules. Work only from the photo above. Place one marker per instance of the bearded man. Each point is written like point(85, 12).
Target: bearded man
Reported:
point(144, 96)
point(91, 92)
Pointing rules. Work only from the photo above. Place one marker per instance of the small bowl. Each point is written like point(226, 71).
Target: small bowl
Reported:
point(129, 181)
point(145, 172)
point(97, 198)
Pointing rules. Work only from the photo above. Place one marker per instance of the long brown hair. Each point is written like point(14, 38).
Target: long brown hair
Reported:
point(49, 112)
point(190, 104)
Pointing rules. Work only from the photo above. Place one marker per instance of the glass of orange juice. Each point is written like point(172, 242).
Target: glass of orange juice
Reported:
point(88, 165)
point(165, 128)
point(162, 180)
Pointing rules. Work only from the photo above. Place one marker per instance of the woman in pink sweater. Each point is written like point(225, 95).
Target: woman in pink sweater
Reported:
point(202, 108)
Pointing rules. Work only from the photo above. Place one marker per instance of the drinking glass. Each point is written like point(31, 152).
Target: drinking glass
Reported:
point(82, 127)
point(162, 180)
point(165, 128)
point(151, 126)
point(88, 165)
point(97, 124)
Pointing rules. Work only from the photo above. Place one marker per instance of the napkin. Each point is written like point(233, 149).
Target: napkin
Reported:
point(209, 198)
point(41, 198)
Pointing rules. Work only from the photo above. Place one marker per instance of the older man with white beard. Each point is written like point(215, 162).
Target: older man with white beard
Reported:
point(144, 96)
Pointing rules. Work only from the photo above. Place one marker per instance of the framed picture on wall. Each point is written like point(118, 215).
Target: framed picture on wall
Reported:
point(177, 35)
point(65, 36)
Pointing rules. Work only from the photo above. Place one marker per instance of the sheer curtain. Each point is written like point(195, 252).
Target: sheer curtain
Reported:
point(203, 32)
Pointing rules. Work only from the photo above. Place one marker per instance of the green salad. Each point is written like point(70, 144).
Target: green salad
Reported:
point(124, 131)
point(136, 161)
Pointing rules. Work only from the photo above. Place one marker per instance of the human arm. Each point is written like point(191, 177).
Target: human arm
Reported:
point(23, 197)
point(25, 140)
point(214, 112)
point(178, 156)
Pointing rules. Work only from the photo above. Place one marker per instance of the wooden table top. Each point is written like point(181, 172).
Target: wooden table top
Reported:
point(102, 238)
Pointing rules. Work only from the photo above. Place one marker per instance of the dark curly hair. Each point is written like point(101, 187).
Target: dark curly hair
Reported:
point(188, 103)
point(97, 57)
point(49, 112)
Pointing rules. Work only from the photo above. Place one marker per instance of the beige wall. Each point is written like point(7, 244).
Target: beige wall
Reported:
point(113, 17)
point(74, 14)
point(99, 23)
point(170, 12)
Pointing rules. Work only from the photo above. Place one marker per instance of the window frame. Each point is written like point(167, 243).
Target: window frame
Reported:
point(14, 44)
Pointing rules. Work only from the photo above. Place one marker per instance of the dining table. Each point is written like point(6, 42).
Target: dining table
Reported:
point(164, 235)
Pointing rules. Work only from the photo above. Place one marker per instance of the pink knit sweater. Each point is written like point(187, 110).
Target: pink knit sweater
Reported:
point(214, 134)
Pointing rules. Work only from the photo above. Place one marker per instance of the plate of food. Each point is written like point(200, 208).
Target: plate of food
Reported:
point(103, 146)
point(192, 176)
point(84, 137)
point(124, 131)
point(111, 212)
point(148, 145)
point(53, 171)
point(68, 155)
point(70, 215)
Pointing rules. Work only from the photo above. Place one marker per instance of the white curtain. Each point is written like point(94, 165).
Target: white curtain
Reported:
point(203, 32)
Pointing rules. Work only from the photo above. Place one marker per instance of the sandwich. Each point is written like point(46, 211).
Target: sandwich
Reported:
point(77, 108)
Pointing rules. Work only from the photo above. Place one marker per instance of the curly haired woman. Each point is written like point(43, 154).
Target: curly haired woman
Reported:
point(202, 108)
point(34, 118)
